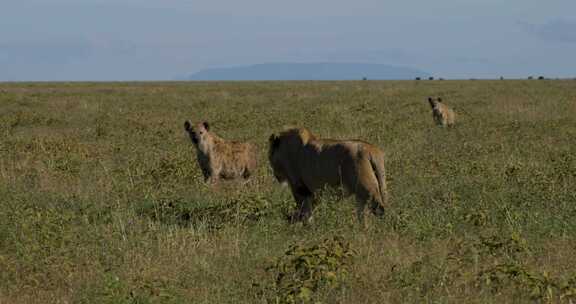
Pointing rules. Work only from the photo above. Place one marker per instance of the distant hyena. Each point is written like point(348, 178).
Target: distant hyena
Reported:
point(219, 158)
point(442, 114)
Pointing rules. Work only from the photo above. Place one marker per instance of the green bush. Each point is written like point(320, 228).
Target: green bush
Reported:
point(305, 271)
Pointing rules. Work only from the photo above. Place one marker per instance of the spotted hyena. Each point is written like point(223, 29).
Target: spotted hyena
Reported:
point(219, 158)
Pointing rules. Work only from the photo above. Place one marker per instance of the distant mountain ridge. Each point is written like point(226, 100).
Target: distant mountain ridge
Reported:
point(310, 71)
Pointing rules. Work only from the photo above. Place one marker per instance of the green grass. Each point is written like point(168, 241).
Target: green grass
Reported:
point(102, 201)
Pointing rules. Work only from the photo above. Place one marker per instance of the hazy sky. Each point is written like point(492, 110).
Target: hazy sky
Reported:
point(164, 39)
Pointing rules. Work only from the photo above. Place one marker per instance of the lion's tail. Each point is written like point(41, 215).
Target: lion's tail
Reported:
point(377, 163)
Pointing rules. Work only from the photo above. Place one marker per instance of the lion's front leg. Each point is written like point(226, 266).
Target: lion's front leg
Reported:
point(304, 203)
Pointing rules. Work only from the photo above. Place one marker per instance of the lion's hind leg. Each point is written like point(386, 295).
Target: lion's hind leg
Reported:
point(367, 191)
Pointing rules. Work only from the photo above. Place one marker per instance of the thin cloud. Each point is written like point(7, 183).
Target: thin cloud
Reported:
point(558, 30)
point(62, 51)
point(43, 51)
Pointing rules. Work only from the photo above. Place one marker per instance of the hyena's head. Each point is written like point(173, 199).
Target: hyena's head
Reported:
point(434, 102)
point(200, 135)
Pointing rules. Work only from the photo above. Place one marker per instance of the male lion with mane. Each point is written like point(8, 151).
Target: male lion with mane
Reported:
point(308, 163)
point(219, 158)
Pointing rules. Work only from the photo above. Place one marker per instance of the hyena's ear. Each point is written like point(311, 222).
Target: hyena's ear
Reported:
point(274, 141)
point(206, 126)
point(187, 126)
point(439, 99)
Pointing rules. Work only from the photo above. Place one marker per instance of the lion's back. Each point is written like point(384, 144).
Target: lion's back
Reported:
point(331, 161)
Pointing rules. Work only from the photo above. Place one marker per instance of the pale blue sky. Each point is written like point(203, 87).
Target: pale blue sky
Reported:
point(164, 39)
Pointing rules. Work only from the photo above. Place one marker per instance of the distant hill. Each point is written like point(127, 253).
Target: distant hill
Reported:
point(309, 71)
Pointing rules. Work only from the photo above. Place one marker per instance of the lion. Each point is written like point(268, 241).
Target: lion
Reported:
point(219, 158)
point(442, 114)
point(307, 164)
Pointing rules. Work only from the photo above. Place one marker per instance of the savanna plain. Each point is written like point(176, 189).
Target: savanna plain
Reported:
point(102, 200)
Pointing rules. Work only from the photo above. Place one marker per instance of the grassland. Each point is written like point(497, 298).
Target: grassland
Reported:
point(101, 199)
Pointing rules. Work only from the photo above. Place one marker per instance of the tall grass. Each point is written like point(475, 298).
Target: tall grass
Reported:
point(101, 199)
